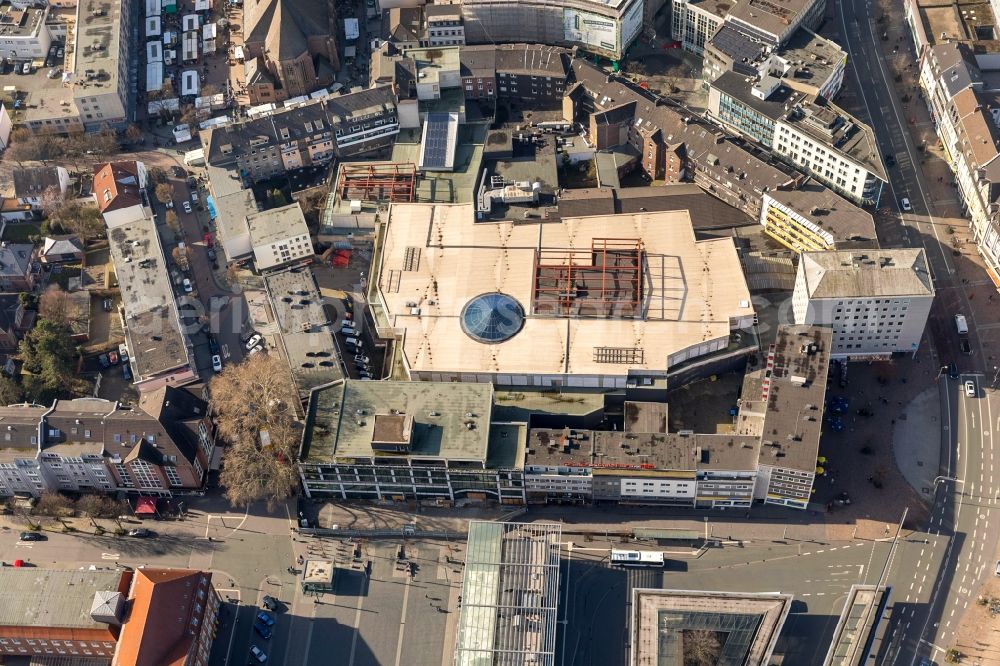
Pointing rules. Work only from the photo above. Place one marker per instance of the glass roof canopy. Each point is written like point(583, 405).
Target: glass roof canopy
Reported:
point(492, 317)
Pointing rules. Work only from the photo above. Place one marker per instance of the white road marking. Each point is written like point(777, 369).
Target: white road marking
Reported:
point(110, 556)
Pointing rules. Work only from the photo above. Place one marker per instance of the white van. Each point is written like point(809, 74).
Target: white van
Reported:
point(351, 342)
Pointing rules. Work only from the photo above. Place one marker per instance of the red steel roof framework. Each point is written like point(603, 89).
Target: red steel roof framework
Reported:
point(604, 282)
point(384, 181)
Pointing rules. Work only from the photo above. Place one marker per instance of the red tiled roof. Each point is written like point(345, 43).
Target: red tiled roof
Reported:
point(116, 185)
point(158, 630)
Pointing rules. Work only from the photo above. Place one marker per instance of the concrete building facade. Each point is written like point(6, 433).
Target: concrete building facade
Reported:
point(603, 28)
point(875, 302)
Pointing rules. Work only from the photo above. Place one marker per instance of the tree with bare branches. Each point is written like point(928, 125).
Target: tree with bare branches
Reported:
point(96, 506)
point(71, 215)
point(702, 647)
point(253, 406)
point(164, 192)
point(55, 505)
point(134, 134)
point(57, 306)
point(172, 221)
point(28, 147)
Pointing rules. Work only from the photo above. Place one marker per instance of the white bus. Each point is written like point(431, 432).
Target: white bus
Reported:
point(637, 558)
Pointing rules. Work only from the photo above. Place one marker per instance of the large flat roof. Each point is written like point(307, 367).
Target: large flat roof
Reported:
point(155, 341)
point(277, 224)
point(824, 122)
point(745, 624)
point(609, 451)
point(342, 419)
point(867, 273)
point(510, 595)
point(36, 597)
point(770, 16)
point(306, 328)
point(435, 259)
point(97, 51)
point(783, 400)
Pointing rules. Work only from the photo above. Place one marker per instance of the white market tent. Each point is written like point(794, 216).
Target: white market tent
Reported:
point(202, 5)
point(208, 34)
point(154, 51)
point(153, 8)
point(154, 76)
point(190, 22)
point(189, 82)
point(157, 105)
point(152, 26)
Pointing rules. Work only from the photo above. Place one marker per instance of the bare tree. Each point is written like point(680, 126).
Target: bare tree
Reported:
point(99, 506)
point(55, 505)
point(164, 192)
point(172, 221)
point(28, 147)
point(701, 647)
point(189, 115)
point(23, 516)
point(253, 405)
point(135, 134)
point(71, 215)
point(57, 306)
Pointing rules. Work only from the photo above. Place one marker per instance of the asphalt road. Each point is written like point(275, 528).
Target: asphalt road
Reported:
point(934, 582)
point(889, 119)
point(596, 597)
point(226, 310)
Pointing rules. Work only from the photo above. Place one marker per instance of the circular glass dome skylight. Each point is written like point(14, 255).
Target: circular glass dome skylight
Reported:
point(492, 317)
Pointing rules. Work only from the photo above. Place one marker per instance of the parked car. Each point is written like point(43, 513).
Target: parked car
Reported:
point(953, 370)
point(61, 52)
point(188, 287)
point(32, 536)
point(109, 305)
point(213, 345)
point(217, 363)
point(254, 351)
point(265, 618)
point(178, 172)
point(270, 603)
point(209, 241)
point(262, 630)
point(26, 69)
point(970, 389)
point(258, 654)
point(254, 339)
point(358, 358)
point(103, 360)
point(169, 203)
point(194, 196)
point(904, 203)
point(211, 254)
point(890, 160)
point(187, 207)
point(140, 533)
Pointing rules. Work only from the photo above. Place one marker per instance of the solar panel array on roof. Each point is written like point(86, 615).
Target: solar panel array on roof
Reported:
point(437, 150)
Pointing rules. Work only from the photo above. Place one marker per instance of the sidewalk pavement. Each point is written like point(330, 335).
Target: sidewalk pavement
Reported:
point(916, 441)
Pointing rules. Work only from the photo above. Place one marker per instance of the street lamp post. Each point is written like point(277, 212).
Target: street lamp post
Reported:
point(996, 373)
